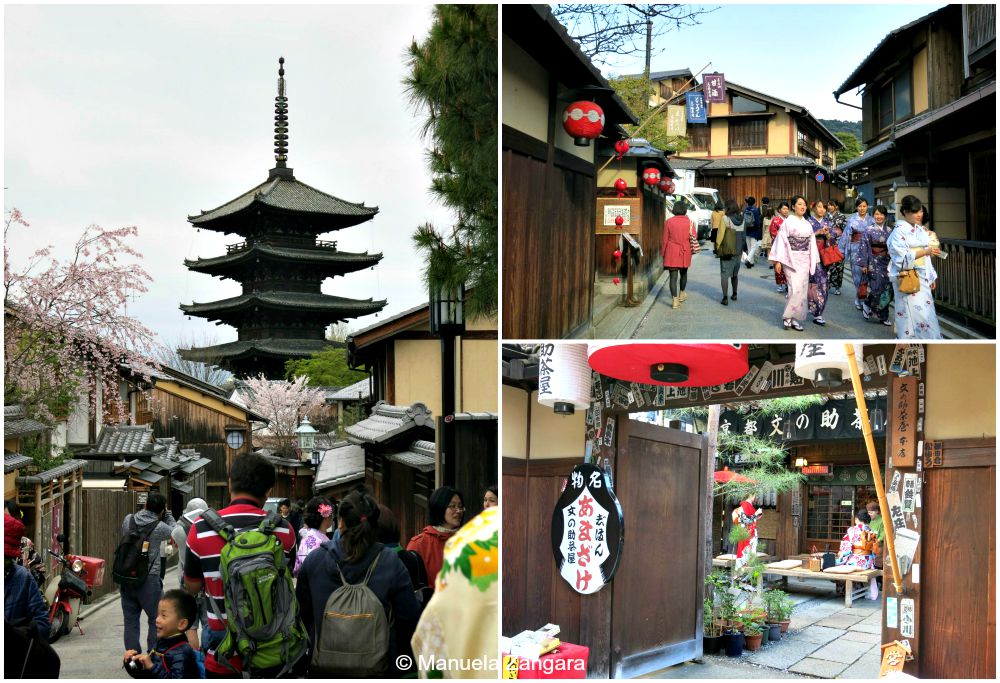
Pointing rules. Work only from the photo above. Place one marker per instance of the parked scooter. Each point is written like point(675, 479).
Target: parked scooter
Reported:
point(64, 596)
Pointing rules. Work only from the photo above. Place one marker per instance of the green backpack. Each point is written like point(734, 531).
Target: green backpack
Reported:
point(263, 623)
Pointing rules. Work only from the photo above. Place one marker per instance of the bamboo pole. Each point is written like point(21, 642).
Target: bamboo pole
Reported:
point(866, 429)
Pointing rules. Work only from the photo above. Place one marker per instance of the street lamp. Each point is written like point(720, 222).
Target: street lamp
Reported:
point(306, 434)
point(447, 320)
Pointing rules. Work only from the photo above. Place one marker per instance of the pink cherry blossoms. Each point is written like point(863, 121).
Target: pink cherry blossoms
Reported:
point(282, 403)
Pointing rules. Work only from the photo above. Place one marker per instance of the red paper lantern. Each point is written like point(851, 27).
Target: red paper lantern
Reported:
point(619, 221)
point(616, 281)
point(622, 148)
point(667, 185)
point(621, 186)
point(584, 121)
point(651, 176)
point(685, 365)
point(618, 253)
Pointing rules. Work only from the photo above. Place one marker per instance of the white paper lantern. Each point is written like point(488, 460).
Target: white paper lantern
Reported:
point(564, 377)
point(825, 363)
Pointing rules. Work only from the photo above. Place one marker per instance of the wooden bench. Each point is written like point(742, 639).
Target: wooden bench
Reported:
point(855, 583)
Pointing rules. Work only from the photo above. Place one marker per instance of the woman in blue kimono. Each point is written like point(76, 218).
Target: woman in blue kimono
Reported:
point(850, 241)
point(819, 281)
point(910, 248)
point(838, 221)
point(875, 268)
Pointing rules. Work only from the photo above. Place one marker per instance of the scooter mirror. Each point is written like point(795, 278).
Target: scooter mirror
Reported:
point(61, 538)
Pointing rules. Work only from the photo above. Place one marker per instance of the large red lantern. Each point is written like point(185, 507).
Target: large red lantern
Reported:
point(687, 365)
point(584, 121)
point(621, 186)
point(667, 185)
point(622, 148)
point(651, 176)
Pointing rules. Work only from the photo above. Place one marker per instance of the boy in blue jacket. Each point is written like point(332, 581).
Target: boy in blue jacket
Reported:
point(172, 656)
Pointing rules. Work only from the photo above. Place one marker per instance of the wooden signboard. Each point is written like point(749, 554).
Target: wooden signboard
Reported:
point(629, 208)
point(903, 438)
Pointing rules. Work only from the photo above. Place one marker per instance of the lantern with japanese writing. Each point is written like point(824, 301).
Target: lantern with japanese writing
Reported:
point(686, 365)
point(588, 530)
point(651, 176)
point(825, 364)
point(667, 185)
point(563, 377)
point(584, 121)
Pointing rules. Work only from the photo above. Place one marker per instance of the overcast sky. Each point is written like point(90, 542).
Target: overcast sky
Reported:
point(144, 115)
point(795, 52)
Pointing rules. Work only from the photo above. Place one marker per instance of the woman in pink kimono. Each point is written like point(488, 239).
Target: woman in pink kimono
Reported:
point(795, 256)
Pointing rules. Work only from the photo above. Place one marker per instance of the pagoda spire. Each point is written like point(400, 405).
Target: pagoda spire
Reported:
point(281, 124)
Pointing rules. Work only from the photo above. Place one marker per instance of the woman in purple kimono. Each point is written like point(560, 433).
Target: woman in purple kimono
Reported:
point(819, 283)
point(910, 248)
point(838, 221)
point(875, 268)
point(795, 256)
point(850, 243)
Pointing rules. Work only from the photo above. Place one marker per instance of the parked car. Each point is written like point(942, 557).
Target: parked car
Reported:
point(701, 201)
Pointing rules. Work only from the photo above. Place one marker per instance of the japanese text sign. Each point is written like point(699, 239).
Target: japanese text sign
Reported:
point(676, 121)
point(696, 108)
point(903, 439)
point(714, 86)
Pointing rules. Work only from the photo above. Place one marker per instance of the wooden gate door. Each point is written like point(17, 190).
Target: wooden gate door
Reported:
point(656, 618)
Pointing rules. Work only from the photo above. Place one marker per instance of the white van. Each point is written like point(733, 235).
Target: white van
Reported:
point(701, 202)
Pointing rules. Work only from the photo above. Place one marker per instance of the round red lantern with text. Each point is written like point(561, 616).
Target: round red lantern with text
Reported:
point(621, 147)
point(651, 176)
point(683, 365)
point(667, 185)
point(621, 186)
point(584, 121)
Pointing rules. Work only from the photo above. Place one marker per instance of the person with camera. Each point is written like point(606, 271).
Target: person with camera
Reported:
point(172, 656)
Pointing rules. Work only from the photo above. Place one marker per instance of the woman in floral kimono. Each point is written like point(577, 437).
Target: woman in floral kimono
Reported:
point(795, 257)
point(910, 247)
point(746, 515)
point(781, 214)
point(875, 267)
point(838, 221)
point(819, 283)
point(851, 240)
point(857, 548)
point(317, 520)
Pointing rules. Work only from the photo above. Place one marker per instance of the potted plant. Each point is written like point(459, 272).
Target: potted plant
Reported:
point(772, 606)
point(712, 636)
point(785, 609)
point(753, 632)
point(734, 642)
point(715, 598)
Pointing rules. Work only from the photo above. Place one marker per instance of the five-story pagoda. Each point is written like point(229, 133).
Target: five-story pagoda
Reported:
point(281, 264)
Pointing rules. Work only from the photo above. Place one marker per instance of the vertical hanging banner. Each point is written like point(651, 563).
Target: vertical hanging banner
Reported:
point(903, 441)
point(714, 86)
point(676, 120)
point(696, 112)
point(588, 530)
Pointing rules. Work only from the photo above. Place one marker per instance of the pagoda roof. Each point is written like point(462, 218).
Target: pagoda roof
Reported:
point(275, 348)
point(286, 193)
point(343, 261)
point(304, 302)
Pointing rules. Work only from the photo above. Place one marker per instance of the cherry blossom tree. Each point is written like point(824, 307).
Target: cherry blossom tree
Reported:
point(66, 330)
point(283, 403)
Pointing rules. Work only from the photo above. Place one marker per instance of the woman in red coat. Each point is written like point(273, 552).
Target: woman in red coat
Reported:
point(445, 512)
point(679, 234)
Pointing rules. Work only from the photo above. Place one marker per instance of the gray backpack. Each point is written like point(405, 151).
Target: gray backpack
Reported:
point(353, 640)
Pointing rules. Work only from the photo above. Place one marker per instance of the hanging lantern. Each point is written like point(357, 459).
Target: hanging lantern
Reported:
point(622, 148)
point(584, 121)
point(689, 365)
point(617, 253)
point(616, 281)
point(825, 364)
point(651, 176)
point(801, 462)
point(667, 185)
point(564, 377)
point(621, 186)
point(619, 221)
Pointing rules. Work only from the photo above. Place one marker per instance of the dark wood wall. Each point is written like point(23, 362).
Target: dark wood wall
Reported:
point(650, 238)
point(775, 187)
point(476, 445)
point(548, 244)
point(403, 489)
point(101, 532)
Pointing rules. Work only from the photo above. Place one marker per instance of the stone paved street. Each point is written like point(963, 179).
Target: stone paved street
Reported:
point(824, 640)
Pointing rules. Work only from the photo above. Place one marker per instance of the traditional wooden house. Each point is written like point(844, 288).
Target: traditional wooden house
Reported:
point(754, 144)
point(549, 183)
point(929, 126)
point(341, 468)
point(13, 463)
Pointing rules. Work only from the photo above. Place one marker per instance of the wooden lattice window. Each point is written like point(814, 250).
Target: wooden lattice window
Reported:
point(699, 136)
point(749, 134)
point(828, 517)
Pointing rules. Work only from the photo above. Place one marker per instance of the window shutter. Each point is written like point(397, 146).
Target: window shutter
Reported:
point(868, 117)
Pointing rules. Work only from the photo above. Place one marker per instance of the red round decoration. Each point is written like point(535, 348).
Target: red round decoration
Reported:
point(621, 186)
point(619, 221)
point(584, 121)
point(618, 253)
point(651, 176)
point(707, 364)
point(622, 148)
point(616, 281)
point(667, 185)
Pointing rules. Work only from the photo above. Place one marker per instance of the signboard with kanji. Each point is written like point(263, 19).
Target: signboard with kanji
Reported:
point(696, 112)
point(609, 208)
point(714, 86)
point(676, 120)
point(903, 440)
point(587, 530)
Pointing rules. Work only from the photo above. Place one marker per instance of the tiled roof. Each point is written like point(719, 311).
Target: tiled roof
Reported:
point(14, 461)
point(869, 155)
point(67, 467)
point(305, 302)
point(24, 426)
point(348, 262)
point(746, 162)
point(181, 486)
point(291, 195)
point(389, 421)
point(360, 390)
point(284, 348)
point(420, 455)
point(343, 462)
point(124, 440)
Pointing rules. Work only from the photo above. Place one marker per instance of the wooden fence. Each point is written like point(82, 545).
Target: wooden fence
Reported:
point(104, 510)
point(967, 279)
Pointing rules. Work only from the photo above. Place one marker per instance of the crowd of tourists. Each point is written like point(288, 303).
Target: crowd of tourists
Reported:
point(326, 590)
point(809, 246)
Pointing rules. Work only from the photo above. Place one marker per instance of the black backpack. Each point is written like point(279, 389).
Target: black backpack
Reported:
point(749, 222)
point(422, 590)
point(131, 565)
